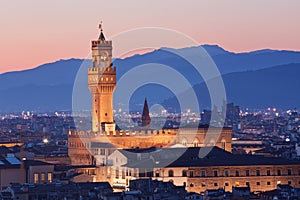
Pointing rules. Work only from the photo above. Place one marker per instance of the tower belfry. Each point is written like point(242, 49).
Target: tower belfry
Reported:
point(102, 82)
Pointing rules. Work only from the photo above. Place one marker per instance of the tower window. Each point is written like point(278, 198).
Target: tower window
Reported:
point(105, 114)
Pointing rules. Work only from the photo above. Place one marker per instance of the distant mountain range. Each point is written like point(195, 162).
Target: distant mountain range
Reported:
point(254, 79)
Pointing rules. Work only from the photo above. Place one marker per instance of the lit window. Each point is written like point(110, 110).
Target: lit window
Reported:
point(117, 173)
point(43, 177)
point(123, 174)
point(35, 177)
point(278, 182)
point(223, 145)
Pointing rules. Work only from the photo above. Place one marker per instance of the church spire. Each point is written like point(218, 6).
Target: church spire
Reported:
point(145, 116)
point(101, 37)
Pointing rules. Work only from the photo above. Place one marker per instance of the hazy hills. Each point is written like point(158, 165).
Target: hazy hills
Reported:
point(254, 79)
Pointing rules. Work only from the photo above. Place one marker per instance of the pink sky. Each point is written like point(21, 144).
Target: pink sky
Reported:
point(36, 32)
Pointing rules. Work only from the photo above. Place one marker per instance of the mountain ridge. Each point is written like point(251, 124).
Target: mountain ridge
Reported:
point(60, 75)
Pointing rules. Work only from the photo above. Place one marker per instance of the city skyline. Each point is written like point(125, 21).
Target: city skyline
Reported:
point(59, 30)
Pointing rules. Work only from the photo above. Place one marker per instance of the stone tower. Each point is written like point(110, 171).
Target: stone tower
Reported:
point(102, 82)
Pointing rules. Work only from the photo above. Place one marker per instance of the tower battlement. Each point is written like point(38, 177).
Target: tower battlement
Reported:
point(124, 133)
point(102, 43)
point(81, 134)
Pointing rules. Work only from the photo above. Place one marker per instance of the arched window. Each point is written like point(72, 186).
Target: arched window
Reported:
point(184, 173)
point(196, 143)
point(223, 144)
point(171, 173)
point(183, 142)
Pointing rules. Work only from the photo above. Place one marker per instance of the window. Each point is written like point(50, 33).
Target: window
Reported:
point(191, 173)
point(289, 182)
point(117, 172)
point(102, 152)
point(191, 185)
point(268, 172)
point(237, 173)
point(257, 172)
point(35, 177)
point(203, 173)
point(171, 173)
point(268, 183)
point(223, 145)
point(215, 173)
point(184, 174)
point(226, 173)
point(289, 172)
point(157, 173)
point(216, 184)
point(279, 172)
point(248, 184)
point(247, 172)
point(203, 184)
point(123, 174)
point(49, 176)
point(257, 183)
point(196, 143)
point(226, 184)
point(43, 177)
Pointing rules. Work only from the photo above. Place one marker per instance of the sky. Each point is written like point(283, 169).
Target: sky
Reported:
point(35, 32)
